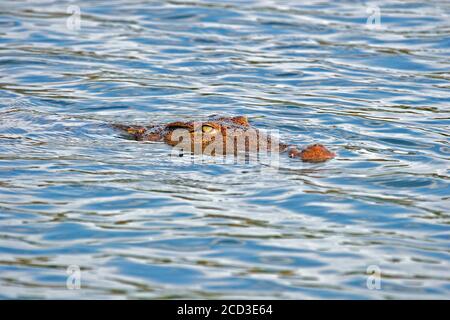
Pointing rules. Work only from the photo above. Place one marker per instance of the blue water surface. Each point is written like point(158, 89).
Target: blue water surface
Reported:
point(140, 223)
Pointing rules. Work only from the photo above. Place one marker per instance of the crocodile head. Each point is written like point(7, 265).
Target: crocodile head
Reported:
point(222, 135)
point(205, 133)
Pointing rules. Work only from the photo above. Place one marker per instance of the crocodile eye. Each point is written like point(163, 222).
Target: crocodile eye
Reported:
point(207, 129)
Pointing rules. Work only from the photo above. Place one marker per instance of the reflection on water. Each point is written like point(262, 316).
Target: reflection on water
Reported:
point(142, 224)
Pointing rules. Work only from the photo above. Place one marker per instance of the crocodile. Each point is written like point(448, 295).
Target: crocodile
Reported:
point(221, 135)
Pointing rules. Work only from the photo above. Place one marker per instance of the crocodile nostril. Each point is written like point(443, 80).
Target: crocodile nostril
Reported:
point(316, 153)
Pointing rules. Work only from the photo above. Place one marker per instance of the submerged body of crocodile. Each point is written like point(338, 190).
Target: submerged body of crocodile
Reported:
point(221, 136)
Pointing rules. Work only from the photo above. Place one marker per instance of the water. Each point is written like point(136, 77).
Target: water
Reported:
point(141, 224)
